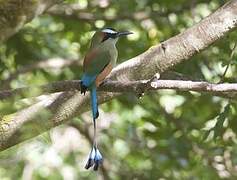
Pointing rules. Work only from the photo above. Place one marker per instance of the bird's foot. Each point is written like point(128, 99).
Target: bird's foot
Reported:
point(83, 88)
point(95, 159)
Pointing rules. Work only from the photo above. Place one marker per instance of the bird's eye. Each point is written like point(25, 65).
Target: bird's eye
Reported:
point(109, 35)
point(106, 36)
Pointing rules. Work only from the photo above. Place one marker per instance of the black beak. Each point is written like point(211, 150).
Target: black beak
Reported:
point(123, 33)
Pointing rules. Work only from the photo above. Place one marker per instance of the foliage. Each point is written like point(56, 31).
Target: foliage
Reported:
point(165, 134)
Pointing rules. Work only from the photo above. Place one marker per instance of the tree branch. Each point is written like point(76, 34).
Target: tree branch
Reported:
point(49, 113)
point(131, 86)
point(179, 48)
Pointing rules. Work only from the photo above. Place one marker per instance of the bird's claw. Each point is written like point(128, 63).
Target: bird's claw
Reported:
point(83, 88)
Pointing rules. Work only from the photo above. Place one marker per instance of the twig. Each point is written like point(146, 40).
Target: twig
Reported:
point(229, 63)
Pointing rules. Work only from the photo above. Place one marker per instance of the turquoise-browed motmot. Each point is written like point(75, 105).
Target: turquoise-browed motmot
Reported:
point(98, 63)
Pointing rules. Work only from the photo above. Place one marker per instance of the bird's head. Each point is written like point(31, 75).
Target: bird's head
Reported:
point(107, 36)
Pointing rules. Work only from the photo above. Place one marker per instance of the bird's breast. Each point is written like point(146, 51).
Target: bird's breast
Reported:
point(114, 55)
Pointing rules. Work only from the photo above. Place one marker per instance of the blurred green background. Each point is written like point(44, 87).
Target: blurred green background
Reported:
point(164, 135)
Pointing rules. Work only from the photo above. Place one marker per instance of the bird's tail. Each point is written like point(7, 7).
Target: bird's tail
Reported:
point(94, 104)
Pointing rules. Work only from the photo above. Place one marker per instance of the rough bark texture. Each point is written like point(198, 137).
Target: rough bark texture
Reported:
point(15, 13)
point(50, 112)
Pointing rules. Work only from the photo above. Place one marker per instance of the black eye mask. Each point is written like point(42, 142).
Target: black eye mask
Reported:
point(109, 35)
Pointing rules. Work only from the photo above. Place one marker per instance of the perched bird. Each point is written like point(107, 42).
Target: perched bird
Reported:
point(98, 63)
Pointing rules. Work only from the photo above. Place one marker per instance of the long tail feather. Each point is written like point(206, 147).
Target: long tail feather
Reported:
point(94, 104)
point(95, 158)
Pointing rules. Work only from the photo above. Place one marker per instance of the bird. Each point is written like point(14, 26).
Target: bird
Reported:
point(98, 63)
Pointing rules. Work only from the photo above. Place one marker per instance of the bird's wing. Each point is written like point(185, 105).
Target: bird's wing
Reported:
point(96, 61)
point(104, 73)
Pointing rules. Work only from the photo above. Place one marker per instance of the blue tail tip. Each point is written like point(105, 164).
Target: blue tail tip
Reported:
point(95, 159)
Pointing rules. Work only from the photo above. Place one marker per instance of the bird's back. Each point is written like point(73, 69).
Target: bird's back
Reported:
point(100, 61)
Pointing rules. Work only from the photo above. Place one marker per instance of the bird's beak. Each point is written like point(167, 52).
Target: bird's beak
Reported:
point(124, 33)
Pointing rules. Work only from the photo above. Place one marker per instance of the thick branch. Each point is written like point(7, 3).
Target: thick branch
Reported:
point(157, 59)
point(161, 57)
